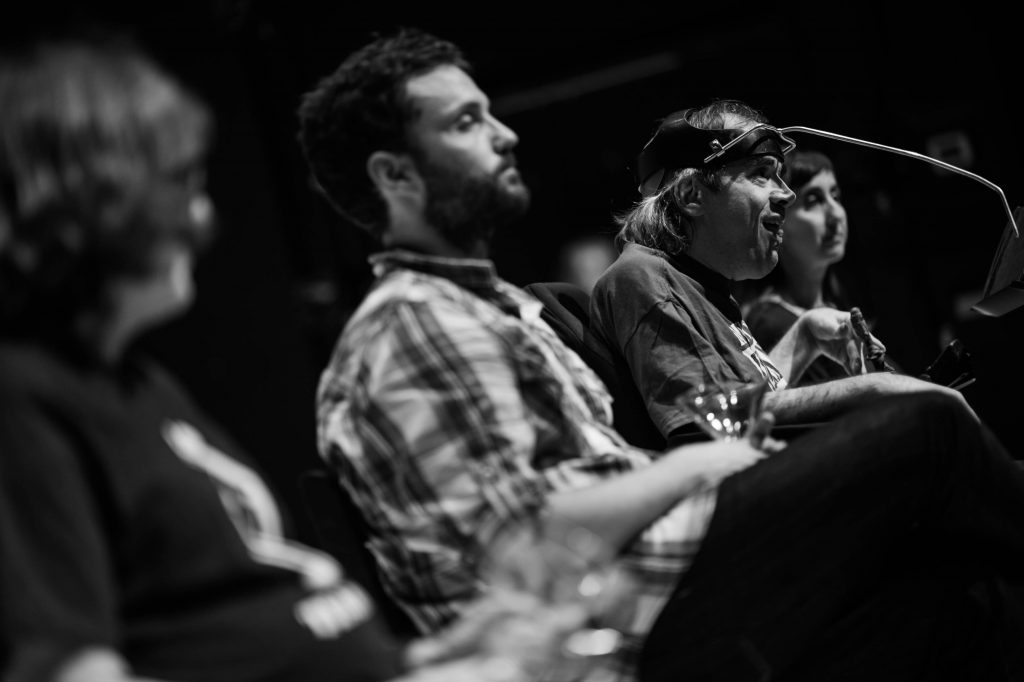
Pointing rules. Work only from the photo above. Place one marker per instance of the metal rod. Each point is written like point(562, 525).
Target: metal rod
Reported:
point(913, 155)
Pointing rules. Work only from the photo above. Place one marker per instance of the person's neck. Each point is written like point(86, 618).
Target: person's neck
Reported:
point(423, 238)
point(804, 288)
point(106, 337)
point(712, 261)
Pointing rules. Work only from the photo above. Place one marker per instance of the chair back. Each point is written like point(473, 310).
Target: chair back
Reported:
point(342, 533)
point(567, 312)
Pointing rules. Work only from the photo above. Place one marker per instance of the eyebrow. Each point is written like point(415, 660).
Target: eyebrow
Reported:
point(767, 160)
point(471, 105)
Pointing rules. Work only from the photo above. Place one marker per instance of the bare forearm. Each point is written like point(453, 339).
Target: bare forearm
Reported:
point(832, 398)
point(617, 510)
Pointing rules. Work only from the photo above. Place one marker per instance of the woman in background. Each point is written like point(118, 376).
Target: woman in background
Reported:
point(814, 240)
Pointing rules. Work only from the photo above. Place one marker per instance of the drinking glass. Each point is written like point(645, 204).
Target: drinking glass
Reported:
point(562, 566)
point(726, 409)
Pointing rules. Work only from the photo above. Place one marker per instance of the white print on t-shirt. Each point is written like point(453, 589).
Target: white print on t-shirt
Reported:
point(763, 363)
point(252, 509)
point(336, 606)
point(328, 614)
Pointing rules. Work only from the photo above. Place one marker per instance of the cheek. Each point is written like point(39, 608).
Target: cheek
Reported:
point(180, 277)
point(173, 274)
point(805, 228)
point(474, 157)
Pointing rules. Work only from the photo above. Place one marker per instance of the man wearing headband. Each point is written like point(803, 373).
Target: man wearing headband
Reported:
point(711, 213)
point(449, 407)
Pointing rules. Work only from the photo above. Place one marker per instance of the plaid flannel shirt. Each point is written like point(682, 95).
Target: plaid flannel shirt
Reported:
point(449, 408)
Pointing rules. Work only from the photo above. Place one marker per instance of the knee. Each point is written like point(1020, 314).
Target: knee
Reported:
point(938, 407)
point(939, 419)
point(927, 417)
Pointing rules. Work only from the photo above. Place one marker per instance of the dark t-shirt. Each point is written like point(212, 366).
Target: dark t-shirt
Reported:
point(129, 521)
point(676, 324)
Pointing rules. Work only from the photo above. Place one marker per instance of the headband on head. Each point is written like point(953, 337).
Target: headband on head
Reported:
point(677, 144)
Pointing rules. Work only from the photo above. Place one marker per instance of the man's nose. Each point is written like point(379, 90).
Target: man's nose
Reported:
point(783, 195)
point(505, 139)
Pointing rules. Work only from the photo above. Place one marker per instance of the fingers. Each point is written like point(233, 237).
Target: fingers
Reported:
point(844, 328)
point(759, 430)
point(855, 357)
point(827, 324)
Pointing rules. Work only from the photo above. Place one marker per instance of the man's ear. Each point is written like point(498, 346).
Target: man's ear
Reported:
point(689, 195)
point(393, 173)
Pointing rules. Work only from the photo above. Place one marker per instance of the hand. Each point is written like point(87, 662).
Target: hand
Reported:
point(466, 635)
point(877, 343)
point(505, 636)
point(545, 590)
point(758, 434)
point(521, 648)
point(534, 641)
point(831, 333)
point(707, 464)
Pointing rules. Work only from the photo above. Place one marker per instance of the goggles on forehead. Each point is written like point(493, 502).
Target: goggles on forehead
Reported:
point(761, 139)
point(677, 144)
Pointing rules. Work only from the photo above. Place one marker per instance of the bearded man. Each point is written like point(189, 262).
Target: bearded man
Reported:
point(450, 410)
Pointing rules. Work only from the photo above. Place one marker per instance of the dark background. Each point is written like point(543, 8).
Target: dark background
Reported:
point(583, 90)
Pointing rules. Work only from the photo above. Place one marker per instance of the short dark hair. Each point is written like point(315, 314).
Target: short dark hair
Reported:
point(361, 108)
point(802, 165)
point(656, 221)
point(92, 132)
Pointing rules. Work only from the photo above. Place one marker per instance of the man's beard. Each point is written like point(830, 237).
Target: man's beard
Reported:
point(467, 209)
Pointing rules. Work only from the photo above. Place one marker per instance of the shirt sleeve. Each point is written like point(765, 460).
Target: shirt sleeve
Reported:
point(665, 332)
point(668, 355)
point(56, 579)
point(434, 440)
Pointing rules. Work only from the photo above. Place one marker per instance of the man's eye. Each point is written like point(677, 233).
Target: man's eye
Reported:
point(467, 121)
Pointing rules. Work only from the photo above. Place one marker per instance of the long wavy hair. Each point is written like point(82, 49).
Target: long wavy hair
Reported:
point(94, 141)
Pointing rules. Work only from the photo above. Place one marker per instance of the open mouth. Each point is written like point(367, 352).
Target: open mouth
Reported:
point(773, 225)
point(775, 232)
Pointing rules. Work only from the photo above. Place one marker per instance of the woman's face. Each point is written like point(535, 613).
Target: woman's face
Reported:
point(815, 228)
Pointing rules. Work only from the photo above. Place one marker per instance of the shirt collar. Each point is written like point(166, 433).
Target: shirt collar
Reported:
point(717, 287)
point(475, 274)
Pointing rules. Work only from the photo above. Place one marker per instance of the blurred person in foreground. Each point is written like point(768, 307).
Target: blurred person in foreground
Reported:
point(136, 539)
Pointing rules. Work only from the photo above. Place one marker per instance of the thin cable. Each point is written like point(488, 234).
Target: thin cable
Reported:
point(913, 155)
